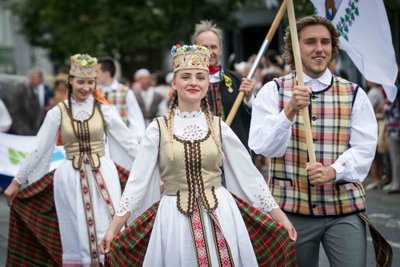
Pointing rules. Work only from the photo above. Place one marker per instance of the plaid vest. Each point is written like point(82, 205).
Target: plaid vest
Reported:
point(118, 99)
point(330, 116)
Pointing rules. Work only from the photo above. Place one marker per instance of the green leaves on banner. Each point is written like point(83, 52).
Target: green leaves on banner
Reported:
point(16, 156)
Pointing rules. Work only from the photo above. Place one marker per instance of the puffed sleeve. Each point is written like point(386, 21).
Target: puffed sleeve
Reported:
point(123, 145)
point(37, 164)
point(143, 186)
point(241, 176)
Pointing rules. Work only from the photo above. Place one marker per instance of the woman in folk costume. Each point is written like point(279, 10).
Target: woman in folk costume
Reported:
point(198, 221)
point(86, 184)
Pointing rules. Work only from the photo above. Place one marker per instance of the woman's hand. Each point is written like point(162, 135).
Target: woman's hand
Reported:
point(11, 192)
point(280, 217)
point(112, 231)
point(105, 243)
point(289, 229)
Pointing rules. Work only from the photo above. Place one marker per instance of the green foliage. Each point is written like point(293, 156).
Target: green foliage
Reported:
point(121, 28)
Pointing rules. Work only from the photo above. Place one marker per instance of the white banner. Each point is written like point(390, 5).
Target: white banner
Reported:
point(365, 37)
point(15, 148)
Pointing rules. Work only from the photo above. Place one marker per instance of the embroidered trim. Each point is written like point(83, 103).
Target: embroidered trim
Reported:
point(196, 222)
point(90, 220)
point(223, 250)
point(102, 188)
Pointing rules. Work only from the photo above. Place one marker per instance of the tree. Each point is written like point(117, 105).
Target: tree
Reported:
point(133, 31)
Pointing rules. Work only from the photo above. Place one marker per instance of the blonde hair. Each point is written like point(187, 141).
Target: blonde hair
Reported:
point(210, 122)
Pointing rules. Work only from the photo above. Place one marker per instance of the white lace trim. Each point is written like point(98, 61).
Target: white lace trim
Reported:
point(188, 115)
point(127, 204)
point(123, 205)
point(193, 132)
point(82, 110)
point(267, 201)
point(29, 168)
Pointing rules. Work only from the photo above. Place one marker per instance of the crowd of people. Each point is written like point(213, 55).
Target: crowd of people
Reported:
point(179, 187)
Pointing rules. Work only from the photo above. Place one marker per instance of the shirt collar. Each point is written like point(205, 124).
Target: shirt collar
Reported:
point(112, 87)
point(320, 83)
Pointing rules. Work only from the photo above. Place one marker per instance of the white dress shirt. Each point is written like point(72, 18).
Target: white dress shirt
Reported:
point(136, 121)
point(270, 129)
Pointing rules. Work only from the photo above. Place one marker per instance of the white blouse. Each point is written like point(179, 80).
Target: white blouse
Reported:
point(270, 130)
point(37, 164)
point(241, 176)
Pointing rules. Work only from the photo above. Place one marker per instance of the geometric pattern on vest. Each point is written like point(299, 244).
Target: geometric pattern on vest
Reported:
point(330, 117)
point(194, 172)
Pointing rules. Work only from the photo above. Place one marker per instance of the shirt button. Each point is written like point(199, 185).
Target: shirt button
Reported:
point(314, 206)
point(314, 118)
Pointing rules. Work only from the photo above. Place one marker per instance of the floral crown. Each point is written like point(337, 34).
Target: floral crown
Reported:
point(190, 57)
point(83, 66)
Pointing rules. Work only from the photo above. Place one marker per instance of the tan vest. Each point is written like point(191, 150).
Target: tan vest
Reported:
point(194, 172)
point(87, 144)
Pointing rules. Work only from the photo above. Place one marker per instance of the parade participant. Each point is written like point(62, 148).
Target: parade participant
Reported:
point(86, 184)
point(225, 84)
point(322, 199)
point(150, 102)
point(120, 96)
point(197, 221)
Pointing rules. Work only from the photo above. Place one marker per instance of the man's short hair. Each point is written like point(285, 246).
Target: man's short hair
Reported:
point(107, 64)
point(207, 26)
point(301, 24)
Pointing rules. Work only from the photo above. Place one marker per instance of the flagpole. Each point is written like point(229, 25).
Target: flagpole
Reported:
point(253, 68)
point(300, 79)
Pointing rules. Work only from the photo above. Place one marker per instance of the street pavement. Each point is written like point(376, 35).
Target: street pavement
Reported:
point(383, 209)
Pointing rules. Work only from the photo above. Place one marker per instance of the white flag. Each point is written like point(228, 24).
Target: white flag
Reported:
point(365, 37)
point(15, 148)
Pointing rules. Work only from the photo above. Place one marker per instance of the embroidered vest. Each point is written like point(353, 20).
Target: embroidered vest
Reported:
point(151, 113)
point(118, 99)
point(86, 143)
point(330, 117)
point(194, 172)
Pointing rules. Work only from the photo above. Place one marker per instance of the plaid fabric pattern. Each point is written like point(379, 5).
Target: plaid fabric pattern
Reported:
point(330, 117)
point(214, 98)
point(383, 250)
point(118, 99)
point(129, 248)
point(270, 241)
point(34, 238)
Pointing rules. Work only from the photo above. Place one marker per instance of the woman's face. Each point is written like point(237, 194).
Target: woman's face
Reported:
point(191, 85)
point(82, 88)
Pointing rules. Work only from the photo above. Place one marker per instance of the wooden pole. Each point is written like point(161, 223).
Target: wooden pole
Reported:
point(261, 52)
point(300, 79)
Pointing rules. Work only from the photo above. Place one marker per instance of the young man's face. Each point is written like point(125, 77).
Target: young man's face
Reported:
point(316, 49)
point(101, 75)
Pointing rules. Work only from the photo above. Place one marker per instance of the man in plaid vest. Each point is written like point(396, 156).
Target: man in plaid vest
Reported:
point(321, 199)
point(120, 96)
